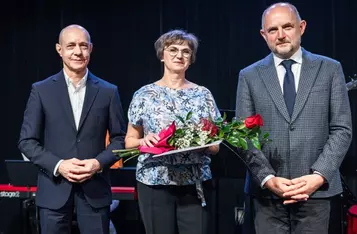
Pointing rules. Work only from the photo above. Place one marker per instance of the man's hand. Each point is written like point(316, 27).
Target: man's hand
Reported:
point(85, 170)
point(312, 183)
point(281, 186)
point(66, 166)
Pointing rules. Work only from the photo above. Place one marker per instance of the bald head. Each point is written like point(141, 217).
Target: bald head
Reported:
point(275, 6)
point(72, 28)
point(74, 47)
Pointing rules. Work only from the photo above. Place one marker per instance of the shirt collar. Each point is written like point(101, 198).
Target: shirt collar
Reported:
point(297, 57)
point(81, 83)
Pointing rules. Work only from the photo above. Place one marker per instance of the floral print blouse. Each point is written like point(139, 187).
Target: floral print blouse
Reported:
point(155, 107)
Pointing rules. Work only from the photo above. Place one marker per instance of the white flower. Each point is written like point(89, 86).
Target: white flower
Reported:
point(203, 135)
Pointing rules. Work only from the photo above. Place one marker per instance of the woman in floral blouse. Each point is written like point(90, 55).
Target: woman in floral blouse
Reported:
point(173, 190)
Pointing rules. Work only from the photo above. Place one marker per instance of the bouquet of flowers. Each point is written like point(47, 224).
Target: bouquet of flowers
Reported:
point(237, 133)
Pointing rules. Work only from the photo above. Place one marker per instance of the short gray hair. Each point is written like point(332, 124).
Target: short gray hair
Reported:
point(176, 37)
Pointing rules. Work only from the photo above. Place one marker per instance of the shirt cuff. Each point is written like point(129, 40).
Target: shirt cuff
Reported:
point(55, 171)
point(318, 173)
point(265, 180)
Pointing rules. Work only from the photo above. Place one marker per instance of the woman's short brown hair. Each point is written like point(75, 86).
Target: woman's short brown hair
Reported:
point(176, 37)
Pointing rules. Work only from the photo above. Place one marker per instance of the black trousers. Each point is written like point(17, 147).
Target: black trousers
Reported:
point(174, 209)
point(90, 220)
point(309, 217)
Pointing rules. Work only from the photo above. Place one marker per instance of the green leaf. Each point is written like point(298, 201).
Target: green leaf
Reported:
point(219, 120)
point(241, 126)
point(239, 134)
point(234, 142)
point(181, 119)
point(171, 141)
point(224, 116)
point(179, 131)
point(208, 140)
point(221, 134)
point(243, 142)
point(196, 140)
point(256, 143)
point(226, 129)
point(266, 135)
point(189, 115)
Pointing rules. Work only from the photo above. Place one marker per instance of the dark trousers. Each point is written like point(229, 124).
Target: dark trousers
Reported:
point(174, 209)
point(90, 220)
point(309, 217)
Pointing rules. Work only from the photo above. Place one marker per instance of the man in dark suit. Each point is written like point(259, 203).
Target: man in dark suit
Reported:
point(63, 133)
point(303, 100)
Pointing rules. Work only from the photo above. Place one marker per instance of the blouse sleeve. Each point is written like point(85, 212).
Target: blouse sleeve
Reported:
point(212, 107)
point(136, 109)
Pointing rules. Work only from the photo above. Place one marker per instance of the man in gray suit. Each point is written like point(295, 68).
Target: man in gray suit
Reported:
point(303, 100)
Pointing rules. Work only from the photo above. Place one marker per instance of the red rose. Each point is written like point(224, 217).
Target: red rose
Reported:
point(209, 126)
point(161, 146)
point(253, 121)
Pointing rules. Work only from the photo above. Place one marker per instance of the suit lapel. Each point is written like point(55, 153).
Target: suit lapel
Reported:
point(91, 93)
point(309, 70)
point(63, 96)
point(268, 74)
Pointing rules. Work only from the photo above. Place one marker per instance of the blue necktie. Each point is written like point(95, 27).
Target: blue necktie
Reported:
point(289, 86)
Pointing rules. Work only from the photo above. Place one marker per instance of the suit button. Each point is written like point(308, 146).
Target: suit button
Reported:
point(292, 128)
point(78, 140)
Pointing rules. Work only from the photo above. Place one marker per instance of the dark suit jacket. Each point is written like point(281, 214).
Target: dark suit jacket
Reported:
point(319, 132)
point(49, 134)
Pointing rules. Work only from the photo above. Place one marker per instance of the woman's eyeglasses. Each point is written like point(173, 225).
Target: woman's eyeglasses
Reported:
point(173, 51)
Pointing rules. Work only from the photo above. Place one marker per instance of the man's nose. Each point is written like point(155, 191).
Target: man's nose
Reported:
point(77, 49)
point(281, 33)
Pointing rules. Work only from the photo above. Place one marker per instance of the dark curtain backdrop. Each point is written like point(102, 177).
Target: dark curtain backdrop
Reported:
point(123, 33)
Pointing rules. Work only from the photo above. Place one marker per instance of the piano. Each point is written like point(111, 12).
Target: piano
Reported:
point(23, 192)
point(17, 201)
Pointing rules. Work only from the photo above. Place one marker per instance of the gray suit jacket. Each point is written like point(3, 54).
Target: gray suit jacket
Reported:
point(315, 138)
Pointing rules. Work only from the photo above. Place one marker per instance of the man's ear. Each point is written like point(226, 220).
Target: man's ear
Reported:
point(90, 47)
point(262, 33)
point(59, 49)
point(302, 27)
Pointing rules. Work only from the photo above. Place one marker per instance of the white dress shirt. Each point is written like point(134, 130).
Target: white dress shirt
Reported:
point(76, 96)
point(295, 68)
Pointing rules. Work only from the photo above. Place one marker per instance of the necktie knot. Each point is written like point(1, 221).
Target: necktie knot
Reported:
point(287, 64)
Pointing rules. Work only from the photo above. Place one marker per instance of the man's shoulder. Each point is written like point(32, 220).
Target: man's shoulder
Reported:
point(323, 58)
point(252, 67)
point(101, 82)
point(48, 80)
